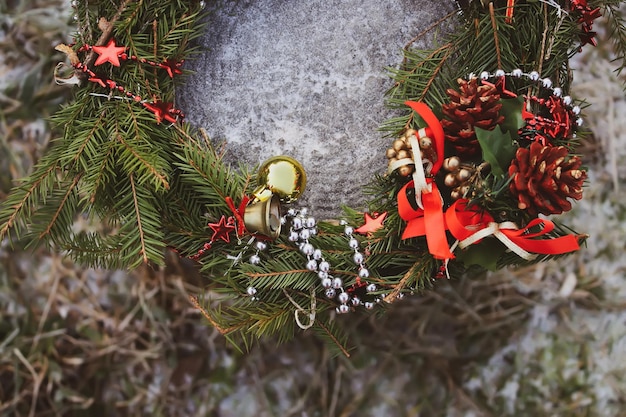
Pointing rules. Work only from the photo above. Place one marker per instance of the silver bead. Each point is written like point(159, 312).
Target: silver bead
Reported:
point(342, 309)
point(202, 4)
point(364, 273)
point(337, 283)
point(567, 100)
point(343, 222)
point(371, 287)
point(343, 297)
point(313, 231)
point(294, 236)
point(579, 121)
point(291, 212)
point(557, 92)
point(255, 259)
point(310, 222)
point(75, 18)
point(500, 73)
point(369, 305)
point(353, 243)
point(296, 223)
point(261, 245)
point(517, 72)
point(308, 249)
point(546, 82)
point(471, 76)
point(251, 291)
point(534, 75)
point(358, 258)
point(74, 3)
point(304, 212)
point(311, 265)
point(330, 293)
point(400, 296)
point(305, 234)
point(324, 266)
point(327, 283)
point(323, 275)
point(283, 221)
point(356, 301)
point(484, 75)
point(317, 254)
point(348, 230)
point(576, 110)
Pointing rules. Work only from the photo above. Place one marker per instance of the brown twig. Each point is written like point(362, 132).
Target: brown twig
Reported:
point(494, 26)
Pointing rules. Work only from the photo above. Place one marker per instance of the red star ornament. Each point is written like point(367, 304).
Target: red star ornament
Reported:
point(222, 229)
point(109, 53)
point(372, 224)
point(162, 111)
point(172, 67)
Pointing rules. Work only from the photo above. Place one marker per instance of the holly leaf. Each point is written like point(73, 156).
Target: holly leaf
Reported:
point(498, 148)
point(512, 112)
point(485, 254)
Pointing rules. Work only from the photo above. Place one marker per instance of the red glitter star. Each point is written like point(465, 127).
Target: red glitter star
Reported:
point(500, 86)
point(162, 111)
point(109, 53)
point(372, 224)
point(172, 67)
point(222, 229)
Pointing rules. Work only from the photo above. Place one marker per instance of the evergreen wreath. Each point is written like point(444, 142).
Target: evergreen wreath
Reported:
point(484, 142)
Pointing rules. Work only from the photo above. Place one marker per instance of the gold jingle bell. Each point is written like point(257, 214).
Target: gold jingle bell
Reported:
point(263, 217)
point(280, 179)
point(280, 176)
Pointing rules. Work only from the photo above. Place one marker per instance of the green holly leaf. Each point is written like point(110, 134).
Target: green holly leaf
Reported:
point(485, 254)
point(498, 148)
point(512, 112)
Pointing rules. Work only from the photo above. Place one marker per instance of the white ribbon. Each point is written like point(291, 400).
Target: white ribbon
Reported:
point(299, 309)
point(419, 174)
point(494, 229)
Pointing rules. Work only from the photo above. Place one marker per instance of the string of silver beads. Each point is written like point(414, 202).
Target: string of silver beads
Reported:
point(535, 77)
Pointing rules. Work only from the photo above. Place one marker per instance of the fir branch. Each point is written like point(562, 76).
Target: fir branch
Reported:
point(333, 337)
point(60, 208)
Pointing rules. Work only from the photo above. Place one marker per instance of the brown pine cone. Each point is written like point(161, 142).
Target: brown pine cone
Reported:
point(474, 106)
point(544, 177)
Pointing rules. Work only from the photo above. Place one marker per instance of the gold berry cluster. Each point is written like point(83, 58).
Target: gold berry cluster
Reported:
point(401, 157)
point(460, 177)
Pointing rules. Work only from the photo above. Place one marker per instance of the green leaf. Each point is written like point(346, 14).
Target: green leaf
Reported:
point(498, 148)
point(512, 112)
point(485, 254)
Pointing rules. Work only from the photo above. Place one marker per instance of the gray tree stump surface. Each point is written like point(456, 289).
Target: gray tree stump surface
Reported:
point(305, 79)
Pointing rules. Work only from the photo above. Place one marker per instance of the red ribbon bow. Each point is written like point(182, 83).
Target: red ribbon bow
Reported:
point(467, 223)
point(428, 221)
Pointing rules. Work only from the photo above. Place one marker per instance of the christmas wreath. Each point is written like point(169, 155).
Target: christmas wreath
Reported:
point(483, 150)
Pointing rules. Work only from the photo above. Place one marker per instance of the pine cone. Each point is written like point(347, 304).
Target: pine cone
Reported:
point(543, 177)
point(474, 106)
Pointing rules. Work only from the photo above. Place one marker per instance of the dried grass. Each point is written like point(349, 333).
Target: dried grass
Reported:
point(76, 341)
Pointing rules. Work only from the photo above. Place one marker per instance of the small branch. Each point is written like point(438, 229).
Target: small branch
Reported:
point(57, 213)
point(393, 294)
point(334, 339)
point(494, 26)
point(425, 31)
point(139, 225)
point(196, 304)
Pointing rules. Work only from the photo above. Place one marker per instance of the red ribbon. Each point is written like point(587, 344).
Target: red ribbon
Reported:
point(463, 222)
point(238, 212)
point(428, 221)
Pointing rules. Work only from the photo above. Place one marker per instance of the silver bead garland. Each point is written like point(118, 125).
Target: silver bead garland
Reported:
point(535, 77)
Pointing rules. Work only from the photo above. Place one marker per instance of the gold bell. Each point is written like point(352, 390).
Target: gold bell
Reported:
point(280, 176)
point(263, 217)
